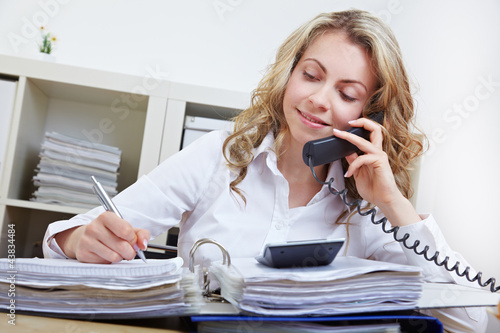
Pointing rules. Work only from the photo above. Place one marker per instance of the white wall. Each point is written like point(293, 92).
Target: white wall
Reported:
point(451, 48)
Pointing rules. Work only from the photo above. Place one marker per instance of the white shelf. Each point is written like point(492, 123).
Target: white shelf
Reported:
point(209, 96)
point(38, 69)
point(42, 206)
point(143, 116)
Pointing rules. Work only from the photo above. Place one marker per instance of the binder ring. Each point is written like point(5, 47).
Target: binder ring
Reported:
point(225, 254)
point(212, 296)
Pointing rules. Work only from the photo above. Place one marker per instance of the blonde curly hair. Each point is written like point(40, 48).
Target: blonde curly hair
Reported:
point(392, 96)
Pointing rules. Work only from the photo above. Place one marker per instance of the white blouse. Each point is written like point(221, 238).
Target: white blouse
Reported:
point(191, 189)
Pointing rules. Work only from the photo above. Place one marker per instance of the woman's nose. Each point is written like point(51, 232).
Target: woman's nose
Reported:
point(321, 98)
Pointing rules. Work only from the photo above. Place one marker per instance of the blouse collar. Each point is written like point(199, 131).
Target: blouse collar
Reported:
point(335, 170)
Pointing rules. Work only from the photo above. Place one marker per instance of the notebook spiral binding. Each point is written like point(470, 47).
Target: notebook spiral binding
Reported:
point(213, 296)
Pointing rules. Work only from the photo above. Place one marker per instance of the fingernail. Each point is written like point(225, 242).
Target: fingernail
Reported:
point(336, 130)
point(351, 121)
point(345, 175)
point(145, 242)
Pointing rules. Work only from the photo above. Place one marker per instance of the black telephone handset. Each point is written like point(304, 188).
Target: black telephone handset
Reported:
point(329, 149)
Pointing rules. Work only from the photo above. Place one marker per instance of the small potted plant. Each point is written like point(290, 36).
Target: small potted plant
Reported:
point(48, 42)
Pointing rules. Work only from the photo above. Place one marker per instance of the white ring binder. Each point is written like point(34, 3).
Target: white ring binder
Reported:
point(226, 259)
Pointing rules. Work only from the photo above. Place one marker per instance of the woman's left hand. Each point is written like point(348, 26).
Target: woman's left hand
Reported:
point(374, 178)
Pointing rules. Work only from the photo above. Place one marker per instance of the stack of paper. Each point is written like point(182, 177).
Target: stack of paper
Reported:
point(122, 290)
point(66, 164)
point(347, 285)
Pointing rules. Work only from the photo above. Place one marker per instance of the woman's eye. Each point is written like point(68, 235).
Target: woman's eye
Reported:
point(347, 97)
point(310, 76)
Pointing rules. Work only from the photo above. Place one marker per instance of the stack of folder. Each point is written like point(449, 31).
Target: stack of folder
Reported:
point(373, 296)
point(365, 295)
point(66, 164)
point(348, 285)
point(129, 289)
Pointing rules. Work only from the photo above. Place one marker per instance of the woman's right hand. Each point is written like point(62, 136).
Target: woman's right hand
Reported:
point(106, 239)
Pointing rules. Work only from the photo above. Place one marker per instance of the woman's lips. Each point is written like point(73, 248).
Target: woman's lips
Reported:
point(309, 119)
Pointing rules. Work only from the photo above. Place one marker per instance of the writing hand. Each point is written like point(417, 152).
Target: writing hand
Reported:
point(106, 239)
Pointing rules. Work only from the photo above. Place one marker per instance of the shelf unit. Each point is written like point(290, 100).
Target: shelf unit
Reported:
point(143, 116)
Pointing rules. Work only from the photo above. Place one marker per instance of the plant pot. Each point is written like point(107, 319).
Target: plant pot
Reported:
point(47, 57)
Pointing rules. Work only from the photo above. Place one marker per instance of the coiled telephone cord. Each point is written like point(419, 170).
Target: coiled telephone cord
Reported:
point(394, 230)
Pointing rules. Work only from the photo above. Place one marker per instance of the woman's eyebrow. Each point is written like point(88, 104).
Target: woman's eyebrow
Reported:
point(323, 68)
point(354, 81)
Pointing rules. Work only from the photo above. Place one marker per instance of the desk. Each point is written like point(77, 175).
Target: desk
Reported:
point(34, 324)
point(31, 323)
point(39, 324)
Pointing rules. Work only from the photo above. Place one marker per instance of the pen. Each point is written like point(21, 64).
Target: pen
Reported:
point(110, 206)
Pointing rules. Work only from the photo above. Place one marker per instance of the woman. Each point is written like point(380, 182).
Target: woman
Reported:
point(250, 187)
